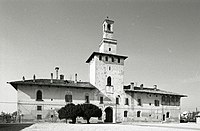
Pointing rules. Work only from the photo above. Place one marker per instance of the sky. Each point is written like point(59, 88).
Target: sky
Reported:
point(160, 38)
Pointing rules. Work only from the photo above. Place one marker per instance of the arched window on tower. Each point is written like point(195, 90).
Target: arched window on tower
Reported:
point(39, 95)
point(109, 81)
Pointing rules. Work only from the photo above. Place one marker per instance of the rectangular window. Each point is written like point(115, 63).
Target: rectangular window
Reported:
point(156, 103)
point(106, 58)
point(125, 113)
point(39, 117)
point(126, 101)
point(117, 101)
point(167, 115)
point(138, 113)
point(113, 59)
point(68, 98)
point(39, 108)
point(87, 99)
point(101, 100)
point(118, 60)
point(100, 57)
point(139, 102)
point(177, 101)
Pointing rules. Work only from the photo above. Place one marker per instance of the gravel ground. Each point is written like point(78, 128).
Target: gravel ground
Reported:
point(113, 127)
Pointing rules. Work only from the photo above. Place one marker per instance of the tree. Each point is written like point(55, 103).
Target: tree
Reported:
point(88, 111)
point(6, 117)
point(14, 116)
point(68, 112)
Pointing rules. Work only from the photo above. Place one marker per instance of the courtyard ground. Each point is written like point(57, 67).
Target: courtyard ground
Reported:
point(113, 127)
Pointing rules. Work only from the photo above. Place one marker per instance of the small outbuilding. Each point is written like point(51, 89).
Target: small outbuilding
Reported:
point(198, 118)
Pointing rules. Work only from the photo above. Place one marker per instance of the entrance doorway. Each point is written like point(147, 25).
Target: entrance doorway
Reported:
point(109, 114)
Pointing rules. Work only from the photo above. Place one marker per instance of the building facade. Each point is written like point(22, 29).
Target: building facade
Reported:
point(39, 99)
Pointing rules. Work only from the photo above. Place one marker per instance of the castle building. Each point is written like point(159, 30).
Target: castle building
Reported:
point(39, 99)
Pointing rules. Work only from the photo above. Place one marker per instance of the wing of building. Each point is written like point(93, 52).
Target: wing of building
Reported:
point(39, 99)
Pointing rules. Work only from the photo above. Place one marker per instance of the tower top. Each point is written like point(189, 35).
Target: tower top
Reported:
point(108, 21)
point(108, 43)
point(108, 28)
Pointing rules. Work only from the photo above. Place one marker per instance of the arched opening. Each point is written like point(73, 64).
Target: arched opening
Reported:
point(109, 27)
point(109, 114)
point(109, 81)
point(39, 95)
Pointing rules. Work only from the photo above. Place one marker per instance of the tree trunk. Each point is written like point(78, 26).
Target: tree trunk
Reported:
point(88, 120)
point(73, 120)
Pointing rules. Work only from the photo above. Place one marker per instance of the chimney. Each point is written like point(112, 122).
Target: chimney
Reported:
point(136, 84)
point(141, 86)
point(61, 77)
point(75, 78)
point(23, 78)
point(132, 86)
point(155, 87)
point(51, 77)
point(57, 68)
point(34, 78)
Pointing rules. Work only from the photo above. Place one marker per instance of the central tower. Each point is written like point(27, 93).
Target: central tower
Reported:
point(106, 66)
point(108, 43)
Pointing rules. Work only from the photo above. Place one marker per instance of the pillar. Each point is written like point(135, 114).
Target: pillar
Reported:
point(114, 115)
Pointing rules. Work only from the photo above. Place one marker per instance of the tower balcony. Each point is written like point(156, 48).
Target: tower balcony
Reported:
point(110, 89)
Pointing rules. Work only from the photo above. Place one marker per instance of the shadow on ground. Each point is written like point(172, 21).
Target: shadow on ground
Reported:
point(14, 126)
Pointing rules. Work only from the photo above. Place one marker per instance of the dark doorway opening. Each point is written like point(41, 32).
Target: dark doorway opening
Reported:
point(109, 114)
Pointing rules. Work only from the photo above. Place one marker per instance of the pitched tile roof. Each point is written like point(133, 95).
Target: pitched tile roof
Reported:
point(150, 90)
point(98, 53)
point(56, 82)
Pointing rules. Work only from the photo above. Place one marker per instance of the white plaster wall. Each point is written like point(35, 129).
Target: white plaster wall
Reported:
point(108, 35)
point(104, 48)
point(116, 72)
point(53, 99)
point(146, 99)
point(92, 71)
point(150, 113)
